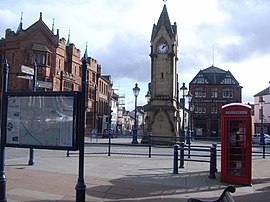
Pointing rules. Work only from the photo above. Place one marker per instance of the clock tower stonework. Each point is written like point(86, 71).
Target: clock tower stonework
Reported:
point(163, 120)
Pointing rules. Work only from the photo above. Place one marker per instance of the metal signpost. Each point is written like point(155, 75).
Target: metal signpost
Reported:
point(34, 73)
point(3, 180)
point(81, 187)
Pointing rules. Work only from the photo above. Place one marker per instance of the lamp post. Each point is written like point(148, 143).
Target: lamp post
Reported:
point(3, 180)
point(136, 91)
point(148, 97)
point(262, 141)
point(183, 90)
point(192, 107)
point(189, 97)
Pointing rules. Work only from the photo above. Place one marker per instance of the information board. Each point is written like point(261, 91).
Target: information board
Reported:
point(42, 120)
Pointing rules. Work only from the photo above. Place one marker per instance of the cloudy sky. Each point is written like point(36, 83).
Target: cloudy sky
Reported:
point(118, 36)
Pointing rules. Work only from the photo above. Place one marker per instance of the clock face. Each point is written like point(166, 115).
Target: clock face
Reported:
point(163, 48)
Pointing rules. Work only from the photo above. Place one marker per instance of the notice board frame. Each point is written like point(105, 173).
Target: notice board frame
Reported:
point(71, 121)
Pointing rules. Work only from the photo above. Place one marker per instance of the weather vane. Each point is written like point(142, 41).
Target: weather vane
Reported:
point(164, 1)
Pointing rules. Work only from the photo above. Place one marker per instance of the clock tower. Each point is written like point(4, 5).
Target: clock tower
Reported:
point(162, 110)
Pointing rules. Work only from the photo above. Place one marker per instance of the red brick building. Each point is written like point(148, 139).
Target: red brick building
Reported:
point(211, 89)
point(58, 67)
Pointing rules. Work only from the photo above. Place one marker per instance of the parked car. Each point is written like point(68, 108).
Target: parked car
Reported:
point(108, 132)
point(256, 138)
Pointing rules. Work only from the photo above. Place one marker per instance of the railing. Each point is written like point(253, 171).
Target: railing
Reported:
point(113, 144)
point(209, 156)
point(110, 144)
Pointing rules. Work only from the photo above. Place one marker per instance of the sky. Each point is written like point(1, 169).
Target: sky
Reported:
point(232, 35)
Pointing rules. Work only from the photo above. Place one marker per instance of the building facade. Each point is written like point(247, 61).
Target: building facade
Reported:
point(262, 112)
point(58, 64)
point(163, 120)
point(211, 89)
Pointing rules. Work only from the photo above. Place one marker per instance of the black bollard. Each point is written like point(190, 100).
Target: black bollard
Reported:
point(175, 158)
point(149, 145)
point(212, 163)
point(182, 154)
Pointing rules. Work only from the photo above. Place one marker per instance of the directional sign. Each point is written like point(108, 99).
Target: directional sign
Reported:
point(44, 84)
point(25, 77)
point(27, 70)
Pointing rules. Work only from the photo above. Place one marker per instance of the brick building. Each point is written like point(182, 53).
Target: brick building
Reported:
point(211, 89)
point(58, 67)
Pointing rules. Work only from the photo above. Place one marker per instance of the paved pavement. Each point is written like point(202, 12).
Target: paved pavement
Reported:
point(121, 178)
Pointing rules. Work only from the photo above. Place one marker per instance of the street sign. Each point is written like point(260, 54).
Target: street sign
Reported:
point(44, 84)
point(27, 70)
point(29, 77)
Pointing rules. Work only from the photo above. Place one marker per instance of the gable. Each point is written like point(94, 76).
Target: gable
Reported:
point(214, 75)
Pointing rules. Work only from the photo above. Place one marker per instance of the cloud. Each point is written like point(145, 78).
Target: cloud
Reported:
point(249, 22)
point(118, 34)
point(126, 56)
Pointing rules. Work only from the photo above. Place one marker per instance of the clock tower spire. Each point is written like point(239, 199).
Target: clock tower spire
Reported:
point(163, 107)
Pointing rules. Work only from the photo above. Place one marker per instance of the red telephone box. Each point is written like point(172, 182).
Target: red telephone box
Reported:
point(236, 145)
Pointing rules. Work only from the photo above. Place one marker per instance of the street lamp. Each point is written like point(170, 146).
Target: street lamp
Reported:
point(183, 90)
point(136, 91)
point(192, 107)
point(262, 141)
point(148, 97)
point(189, 97)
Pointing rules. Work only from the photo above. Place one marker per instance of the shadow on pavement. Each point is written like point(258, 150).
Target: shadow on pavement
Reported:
point(156, 186)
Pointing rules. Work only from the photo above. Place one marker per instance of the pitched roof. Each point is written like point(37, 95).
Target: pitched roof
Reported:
point(263, 92)
point(214, 75)
point(164, 19)
point(213, 70)
point(42, 24)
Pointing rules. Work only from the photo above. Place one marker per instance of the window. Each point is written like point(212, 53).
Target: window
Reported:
point(214, 109)
point(227, 81)
point(87, 75)
point(93, 77)
point(29, 57)
point(68, 86)
point(227, 93)
point(59, 64)
point(43, 60)
point(38, 58)
point(214, 93)
point(200, 80)
point(200, 92)
point(13, 58)
point(49, 60)
point(200, 108)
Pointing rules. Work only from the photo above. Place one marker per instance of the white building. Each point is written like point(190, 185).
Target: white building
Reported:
point(262, 97)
